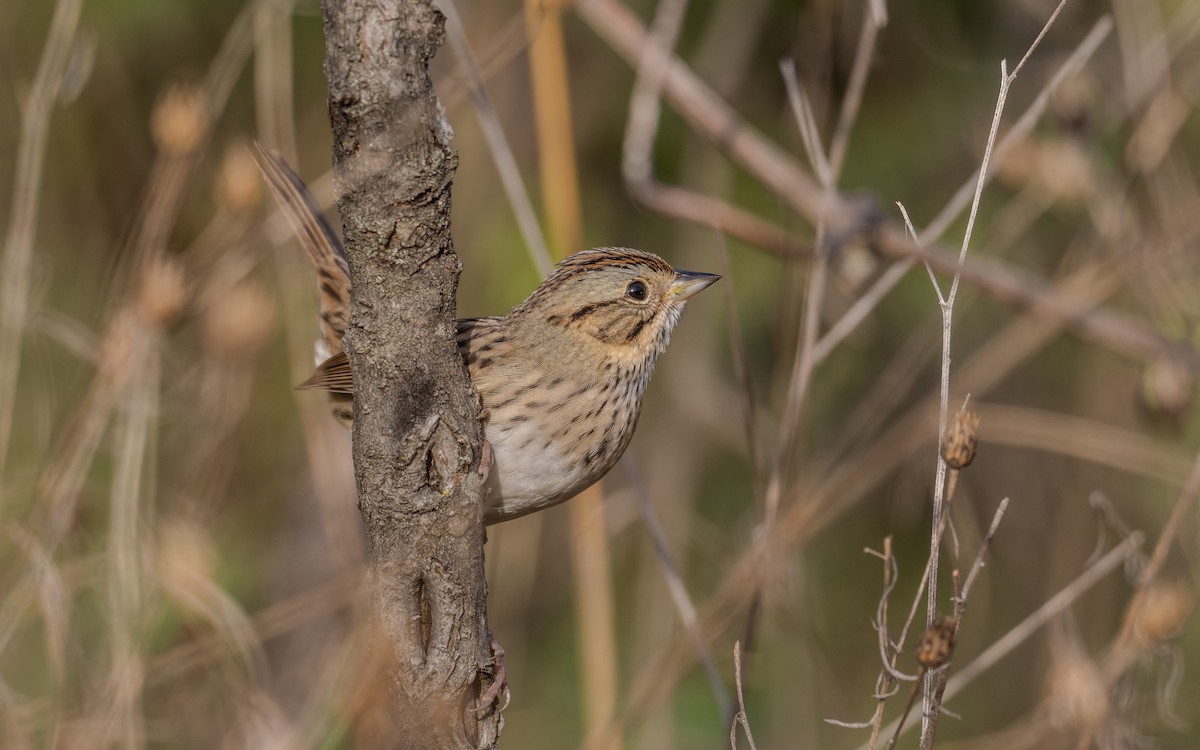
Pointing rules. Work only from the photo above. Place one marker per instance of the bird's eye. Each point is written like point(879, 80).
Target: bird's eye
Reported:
point(636, 291)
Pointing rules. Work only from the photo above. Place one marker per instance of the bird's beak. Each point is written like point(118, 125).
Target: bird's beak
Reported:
point(688, 283)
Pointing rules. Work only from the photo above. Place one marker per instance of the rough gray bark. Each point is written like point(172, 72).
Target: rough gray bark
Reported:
point(417, 436)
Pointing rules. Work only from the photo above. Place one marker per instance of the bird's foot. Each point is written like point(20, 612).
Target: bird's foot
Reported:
point(491, 696)
point(486, 460)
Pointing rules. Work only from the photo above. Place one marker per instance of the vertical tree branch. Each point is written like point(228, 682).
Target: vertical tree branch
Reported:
point(416, 429)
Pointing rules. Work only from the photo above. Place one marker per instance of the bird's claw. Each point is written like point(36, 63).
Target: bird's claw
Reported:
point(486, 460)
point(499, 684)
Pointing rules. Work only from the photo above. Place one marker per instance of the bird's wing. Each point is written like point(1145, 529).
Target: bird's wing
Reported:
point(332, 375)
point(324, 248)
point(478, 340)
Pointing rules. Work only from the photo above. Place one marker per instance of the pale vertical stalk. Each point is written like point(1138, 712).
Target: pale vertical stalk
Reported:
point(592, 566)
point(125, 583)
point(273, 85)
point(22, 217)
point(589, 531)
point(947, 306)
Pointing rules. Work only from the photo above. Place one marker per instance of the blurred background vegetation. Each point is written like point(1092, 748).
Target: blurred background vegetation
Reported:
point(180, 551)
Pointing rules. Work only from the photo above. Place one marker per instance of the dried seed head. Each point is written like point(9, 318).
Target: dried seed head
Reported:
point(1168, 388)
point(180, 120)
point(239, 185)
point(1165, 610)
point(1075, 689)
point(1075, 100)
point(855, 264)
point(162, 293)
point(958, 445)
point(936, 646)
point(241, 323)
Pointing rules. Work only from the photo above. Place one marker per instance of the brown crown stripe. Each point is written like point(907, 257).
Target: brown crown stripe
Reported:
point(615, 256)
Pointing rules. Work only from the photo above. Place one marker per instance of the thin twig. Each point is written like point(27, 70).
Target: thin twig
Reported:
point(1024, 124)
point(977, 566)
point(740, 719)
point(833, 494)
point(679, 593)
point(1042, 615)
point(803, 363)
point(806, 122)
point(947, 305)
point(883, 687)
point(874, 18)
point(912, 695)
point(741, 369)
point(502, 155)
point(711, 116)
point(960, 607)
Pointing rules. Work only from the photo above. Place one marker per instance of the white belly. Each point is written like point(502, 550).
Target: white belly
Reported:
point(529, 471)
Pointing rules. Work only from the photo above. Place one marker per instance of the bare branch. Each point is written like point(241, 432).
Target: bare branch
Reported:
point(712, 117)
point(979, 558)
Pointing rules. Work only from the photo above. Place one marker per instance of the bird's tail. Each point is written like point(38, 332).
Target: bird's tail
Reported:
point(322, 243)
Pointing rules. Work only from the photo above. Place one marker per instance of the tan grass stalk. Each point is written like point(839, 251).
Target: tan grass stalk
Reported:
point(123, 710)
point(22, 217)
point(1085, 439)
point(46, 581)
point(552, 116)
point(589, 530)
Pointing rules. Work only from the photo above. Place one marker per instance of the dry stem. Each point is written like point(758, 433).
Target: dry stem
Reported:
point(22, 217)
